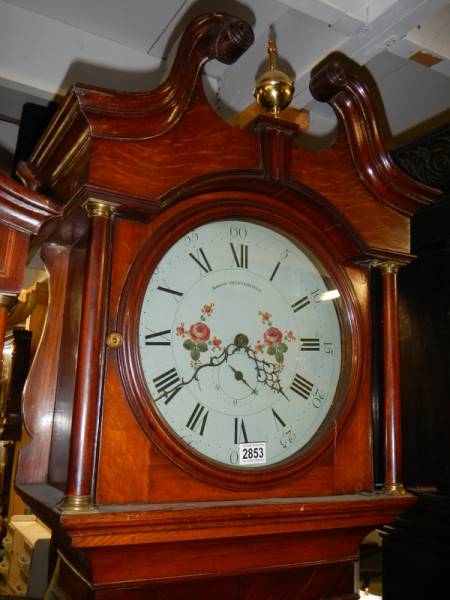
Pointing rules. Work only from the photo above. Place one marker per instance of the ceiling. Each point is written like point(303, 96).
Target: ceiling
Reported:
point(46, 45)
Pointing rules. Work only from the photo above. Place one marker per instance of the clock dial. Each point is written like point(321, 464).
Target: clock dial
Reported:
point(240, 343)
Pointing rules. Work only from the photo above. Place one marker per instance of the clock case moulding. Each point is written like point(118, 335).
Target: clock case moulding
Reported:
point(164, 157)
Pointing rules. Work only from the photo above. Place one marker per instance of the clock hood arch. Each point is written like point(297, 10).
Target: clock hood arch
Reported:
point(126, 148)
point(310, 207)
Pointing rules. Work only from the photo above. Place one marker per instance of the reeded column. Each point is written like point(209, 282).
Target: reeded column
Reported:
point(89, 365)
point(391, 375)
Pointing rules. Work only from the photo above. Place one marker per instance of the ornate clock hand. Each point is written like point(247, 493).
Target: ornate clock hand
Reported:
point(215, 361)
point(266, 372)
point(238, 375)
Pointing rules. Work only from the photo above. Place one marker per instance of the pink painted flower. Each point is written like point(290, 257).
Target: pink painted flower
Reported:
point(273, 336)
point(265, 316)
point(216, 342)
point(199, 332)
point(180, 329)
point(207, 309)
point(290, 336)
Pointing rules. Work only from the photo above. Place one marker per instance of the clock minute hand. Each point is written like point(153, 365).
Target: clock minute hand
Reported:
point(214, 361)
point(270, 374)
point(266, 372)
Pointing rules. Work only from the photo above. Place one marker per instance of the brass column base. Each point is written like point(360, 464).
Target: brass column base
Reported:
point(77, 504)
point(394, 489)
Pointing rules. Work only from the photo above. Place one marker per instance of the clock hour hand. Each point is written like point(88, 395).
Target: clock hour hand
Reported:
point(176, 384)
point(238, 375)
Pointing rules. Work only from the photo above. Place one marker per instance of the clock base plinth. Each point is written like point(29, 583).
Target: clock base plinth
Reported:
point(241, 545)
point(335, 580)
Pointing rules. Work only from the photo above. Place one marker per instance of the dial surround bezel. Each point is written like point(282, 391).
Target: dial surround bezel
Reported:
point(175, 224)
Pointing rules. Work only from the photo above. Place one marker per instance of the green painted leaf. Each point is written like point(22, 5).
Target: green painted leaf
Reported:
point(282, 348)
point(195, 353)
point(188, 344)
point(271, 350)
point(203, 347)
point(279, 357)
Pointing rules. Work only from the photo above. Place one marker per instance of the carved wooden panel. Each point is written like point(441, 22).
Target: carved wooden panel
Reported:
point(428, 158)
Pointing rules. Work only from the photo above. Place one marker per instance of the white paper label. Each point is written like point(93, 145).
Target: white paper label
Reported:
point(252, 454)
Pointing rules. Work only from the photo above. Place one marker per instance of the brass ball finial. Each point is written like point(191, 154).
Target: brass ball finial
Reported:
point(274, 89)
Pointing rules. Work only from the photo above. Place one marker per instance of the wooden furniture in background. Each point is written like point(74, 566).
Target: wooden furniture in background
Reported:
point(23, 213)
point(24, 568)
point(135, 512)
point(17, 356)
point(36, 320)
point(29, 311)
point(416, 547)
point(16, 359)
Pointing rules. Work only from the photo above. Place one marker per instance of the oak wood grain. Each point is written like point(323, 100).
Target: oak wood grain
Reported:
point(169, 163)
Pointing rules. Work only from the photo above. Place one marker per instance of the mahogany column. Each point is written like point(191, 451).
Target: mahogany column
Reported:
point(90, 349)
point(391, 382)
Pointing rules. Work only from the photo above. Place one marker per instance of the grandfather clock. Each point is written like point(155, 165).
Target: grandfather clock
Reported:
point(201, 403)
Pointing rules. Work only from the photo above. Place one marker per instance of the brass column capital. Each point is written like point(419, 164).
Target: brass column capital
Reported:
point(389, 266)
point(99, 208)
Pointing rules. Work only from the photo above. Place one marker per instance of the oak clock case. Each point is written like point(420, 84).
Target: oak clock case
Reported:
point(238, 331)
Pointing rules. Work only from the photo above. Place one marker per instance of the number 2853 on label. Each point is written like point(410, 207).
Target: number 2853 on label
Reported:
point(252, 454)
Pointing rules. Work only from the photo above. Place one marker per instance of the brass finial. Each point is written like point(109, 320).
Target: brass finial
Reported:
point(274, 89)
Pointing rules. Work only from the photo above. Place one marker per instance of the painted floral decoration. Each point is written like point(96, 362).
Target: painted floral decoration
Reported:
point(198, 335)
point(265, 316)
point(207, 311)
point(275, 341)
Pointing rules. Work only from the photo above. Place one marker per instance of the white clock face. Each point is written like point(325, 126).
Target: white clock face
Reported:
point(240, 343)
